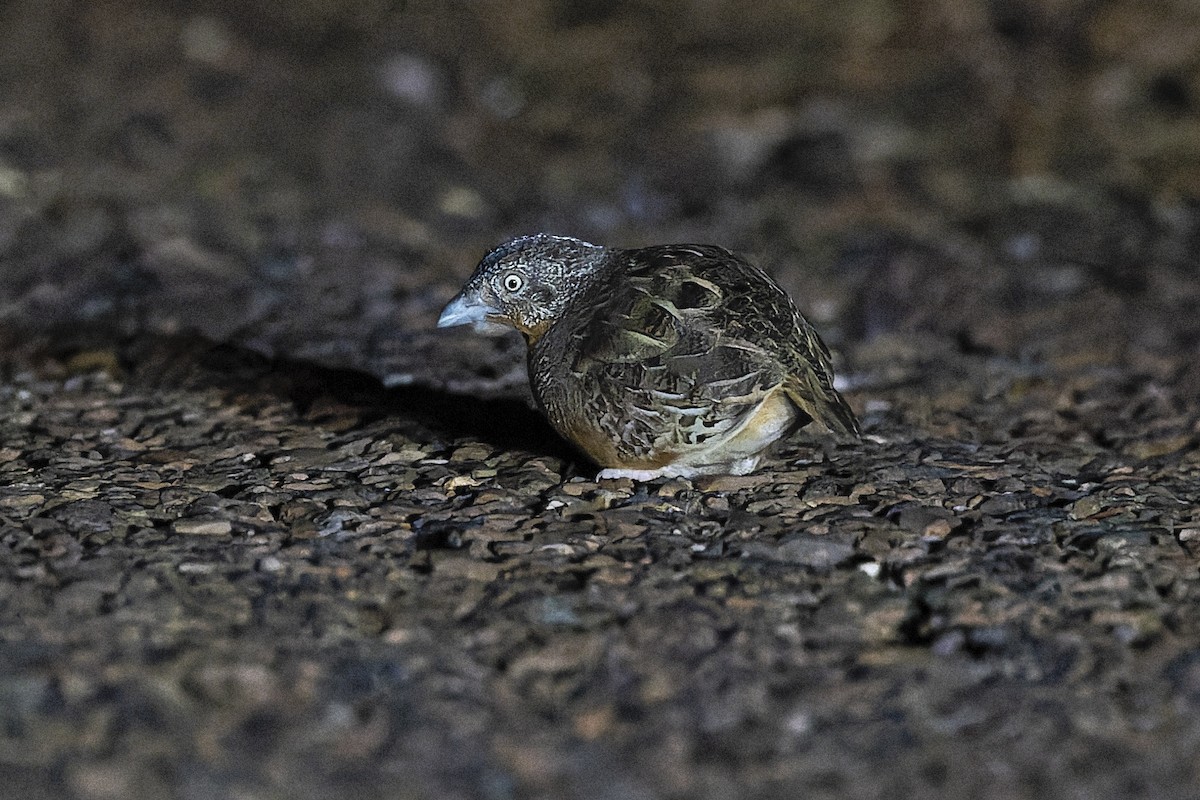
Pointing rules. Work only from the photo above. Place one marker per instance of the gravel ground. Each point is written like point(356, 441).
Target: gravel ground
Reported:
point(265, 533)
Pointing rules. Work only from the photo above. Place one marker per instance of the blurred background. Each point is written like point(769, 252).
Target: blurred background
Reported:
point(316, 178)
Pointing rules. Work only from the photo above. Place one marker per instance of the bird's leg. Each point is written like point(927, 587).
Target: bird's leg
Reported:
point(740, 466)
point(613, 473)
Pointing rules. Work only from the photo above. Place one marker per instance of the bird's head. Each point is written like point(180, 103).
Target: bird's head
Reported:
point(524, 283)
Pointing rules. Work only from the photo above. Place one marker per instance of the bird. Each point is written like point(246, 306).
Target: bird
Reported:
point(666, 361)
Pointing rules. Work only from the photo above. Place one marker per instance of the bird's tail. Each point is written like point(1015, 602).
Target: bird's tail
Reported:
point(823, 404)
point(840, 418)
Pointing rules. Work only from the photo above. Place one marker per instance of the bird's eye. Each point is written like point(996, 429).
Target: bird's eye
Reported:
point(513, 282)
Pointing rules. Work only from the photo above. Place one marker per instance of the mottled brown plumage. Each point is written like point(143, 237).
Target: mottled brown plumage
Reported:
point(670, 360)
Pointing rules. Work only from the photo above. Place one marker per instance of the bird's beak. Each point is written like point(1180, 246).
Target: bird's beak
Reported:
point(470, 311)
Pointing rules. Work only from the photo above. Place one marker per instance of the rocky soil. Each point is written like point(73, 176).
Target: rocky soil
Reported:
point(266, 533)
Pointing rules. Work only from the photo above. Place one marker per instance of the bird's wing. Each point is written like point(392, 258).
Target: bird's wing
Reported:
point(670, 372)
point(751, 327)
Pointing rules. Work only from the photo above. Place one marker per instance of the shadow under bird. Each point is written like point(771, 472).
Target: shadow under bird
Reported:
point(675, 360)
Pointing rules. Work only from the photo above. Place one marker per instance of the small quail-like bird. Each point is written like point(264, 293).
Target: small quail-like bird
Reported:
point(677, 360)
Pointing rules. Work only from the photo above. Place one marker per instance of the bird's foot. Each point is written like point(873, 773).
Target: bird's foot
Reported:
point(615, 473)
point(741, 466)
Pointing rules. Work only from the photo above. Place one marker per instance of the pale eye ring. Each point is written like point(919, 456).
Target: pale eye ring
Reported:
point(513, 282)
